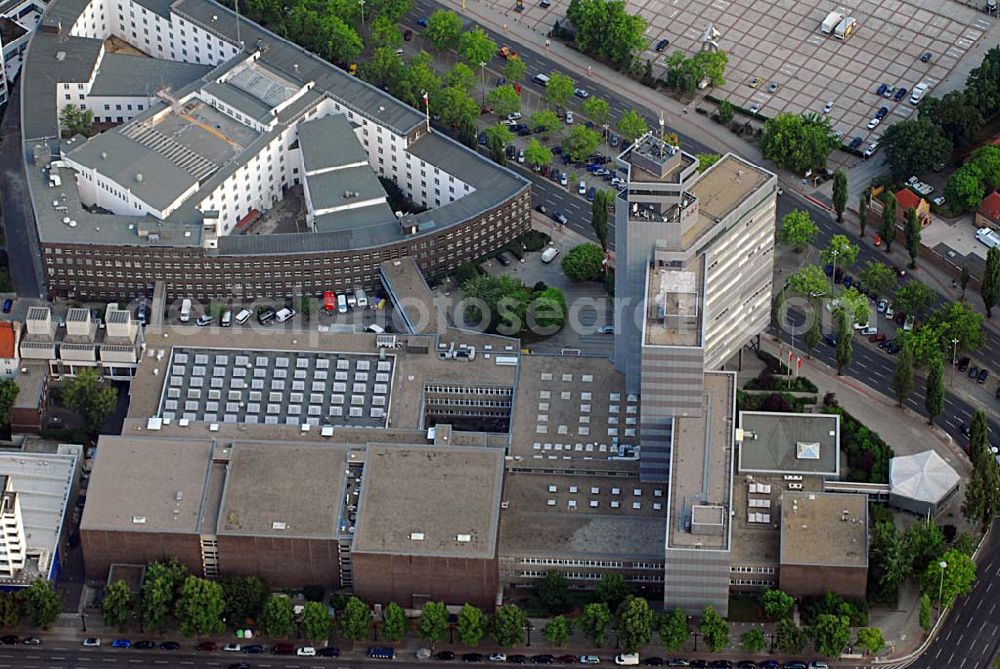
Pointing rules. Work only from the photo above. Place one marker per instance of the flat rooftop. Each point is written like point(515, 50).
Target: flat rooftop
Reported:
point(673, 305)
point(276, 387)
point(430, 501)
point(586, 516)
point(721, 188)
point(284, 490)
point(574, 413)
point(757, 517)
point(824, 529)
point(412, 296)
point(701, 463)
point(135, 484)
point(792, 443)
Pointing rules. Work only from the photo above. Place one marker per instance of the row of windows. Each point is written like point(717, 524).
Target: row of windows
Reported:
point(467, 390)
point(593, 576)
point(755, 582)
point(751, 570)
point(603, 564)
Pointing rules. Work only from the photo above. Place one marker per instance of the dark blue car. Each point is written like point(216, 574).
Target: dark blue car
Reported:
point(121, 643)
point(422, 22)
point(7, 305)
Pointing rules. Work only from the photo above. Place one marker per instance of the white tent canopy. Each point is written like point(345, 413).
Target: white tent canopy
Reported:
point(925, 477)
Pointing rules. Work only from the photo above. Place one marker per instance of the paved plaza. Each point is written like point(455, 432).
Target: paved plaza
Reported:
point(780, 41)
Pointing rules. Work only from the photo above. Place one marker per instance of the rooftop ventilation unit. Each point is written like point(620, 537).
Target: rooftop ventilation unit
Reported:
point(464, 538)
point(416, 536)
point(279, 525)
point(138, 520)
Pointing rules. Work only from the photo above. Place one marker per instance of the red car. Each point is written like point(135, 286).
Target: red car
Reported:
point(876, 338)
point(900, 318)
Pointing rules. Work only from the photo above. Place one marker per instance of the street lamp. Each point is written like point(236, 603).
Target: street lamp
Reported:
point(954, 359)
point(362, 4)
point(482, 69)
point(943, 565)
point(527, 632)
point(833, 274)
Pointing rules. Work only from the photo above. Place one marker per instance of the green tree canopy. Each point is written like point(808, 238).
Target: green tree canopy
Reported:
point(536, 154)
point(635, 624)
point(706, 160)
point(911, 228)
point(631, 125)
point(199, 607)
point(606, 31)
point(583, 262)
point(461, 77)
point(553, 592)
point(790, 638)
point(118, 604)
point(887, 559)
point(559, 90)
point(934, 393)
point(160, 588)
point(798, 229)
point(839, 250)
point(913, 146)
point(507, 625)
point(557, 631)
point(957, 320)
point(964, 189)
point(8, 395)
point(580, 142)
point(870, 638)
point(43, 603)
point(831, 634)
point(546, 121)
point(597, 110)
point(839, 194)
point(902, 375)
point(497, 139)
point(433, 625)
point(797, 142)
point(612, 590)
point(515, 70)
point(385, 33)
point(958, 119)
point(924, 543)
point(674, 629)
point(753, 641)
point(959, 575)
point(324, 33)
point(879, 277)
point(913, 298)
point(594, 622)
point(777, 604)
point(315, 621)
point(88, 396)
point(443, 29)
point(546, 312)
point(600, 211)
point(278, 618)
point(76, 121)
point(354, 620)
point(714, 630)
point(989, 288)
point(808, 281)
point(418, 77)
point(471, 625)
point(887, 229)
point(987, 159)
point(844, 348)
point(476, 47)
point(394, 623)
point(245, 597)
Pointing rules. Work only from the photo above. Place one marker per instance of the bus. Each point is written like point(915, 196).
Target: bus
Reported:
point(329, 301)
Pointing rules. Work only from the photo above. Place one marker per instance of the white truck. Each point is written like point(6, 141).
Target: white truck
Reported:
point(988, 237)
point(846, 28)
point(831, 22)
point(185, 310)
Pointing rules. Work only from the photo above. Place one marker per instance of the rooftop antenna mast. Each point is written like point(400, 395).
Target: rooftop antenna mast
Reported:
point(662, 125)
point(239, 42)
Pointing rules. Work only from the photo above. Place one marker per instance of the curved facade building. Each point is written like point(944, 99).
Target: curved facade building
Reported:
point(209, 123)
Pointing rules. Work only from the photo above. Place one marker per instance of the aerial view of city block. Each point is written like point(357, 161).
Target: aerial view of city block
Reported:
point(353, 333)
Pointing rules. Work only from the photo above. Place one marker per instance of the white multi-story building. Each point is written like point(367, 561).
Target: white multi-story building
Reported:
point(694, 260)
point(13, 548)
point(18, 20)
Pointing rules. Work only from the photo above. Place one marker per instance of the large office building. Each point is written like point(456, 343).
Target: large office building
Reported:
point(209, 123)
point(694, 260)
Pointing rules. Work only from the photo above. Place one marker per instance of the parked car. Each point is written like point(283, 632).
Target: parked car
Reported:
point(653, 661)
point(253, 649)
point(170, 645)
point(8, 304)
point(144, 645)
point(589, 659)
point(925, 57)
point(983, 375)
point(328, 652)
point(497, 657)
point(939, 200)
point(827, 107)
point(567, 659)
point(873, 123)
point(580, 93)
point(472, 657)
point(963, 363)
point(662, 44)
point(542, 659)
point(772, 87)
point(407, 35)
point(882, 305)
point(121, 643)
point(855, 143)
point(207, 647)
point(877, 337)
point(882, 88)
point(422, 22)
point(231, 648)
point(516, 659)
point(614, 140)
point(32, 641)
point(973, 372)
point(900, 94)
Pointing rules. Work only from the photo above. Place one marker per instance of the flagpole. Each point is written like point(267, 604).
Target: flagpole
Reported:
point(427, 111)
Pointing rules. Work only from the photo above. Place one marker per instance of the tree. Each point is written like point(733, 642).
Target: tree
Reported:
point(245, 597)
point(507, 625)
point(959, 575)
point(559, 89)
point(888, 559)
point(965, 543)
point(583, 262)
point(546, 313)
point(674, 629)
point(9, 390)
point(199, 607)
point(76, 121)
point(599, 214)
point(597, 110)
point(714, 630)
point(912, 231)
point(580, 142)
point(557, 631)
point(553, 592)
point(797, 142)
point(612, 590)
point(790, 638)
point(798, 230)
point(925, 612)
point(515, 70)
point(843, 340)
point(958, 120)
point(11, 609)
point(987, 158)
point(453, 104)
point(43, 603)
point(957, 320)
point(963, 280)
point(778, 311)
point(504, 100)
point(418, 77)
point(879, 277)
point(160, 587)
point(902, 376)
point(278, 618)
point(831, 634)
point(546, 121)
point(913, 146)
point(855, 305)
point(887, 230)
point(706, 160)
point(635, 624)
point(863, 211)
point(989, 288)
point(536, 155)
point(870, 638)
point(87, 396)
point(443, 29)
point(393, 622)
point(753, 641)
point(606, 31)
point(594, 623)
point(923, 543)
point(354, 620)
point(934, 398)
point(839, 250)
point(808, 281)
point(315, 621)
point(433, 625)
point(324, 33)
point(385, 34)
point(777, 604)
point(840, 194)
point(462, 77)
point(631, 125)
point(471, 625)
point(726, 112)
point(914, 298)
point(982, 494)
point(964, 189)
point(813, 335)
point(497, 139)
point(118, 604)
point(476, 46)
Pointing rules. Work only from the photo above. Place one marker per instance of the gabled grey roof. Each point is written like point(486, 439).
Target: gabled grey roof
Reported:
point(121, 75)
point(245, 103)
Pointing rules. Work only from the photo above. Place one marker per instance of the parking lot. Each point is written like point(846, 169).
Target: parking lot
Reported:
point(780, 41)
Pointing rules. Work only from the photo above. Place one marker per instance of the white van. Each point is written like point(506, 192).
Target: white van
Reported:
point(988, 237)
point(549, 253)
point(918, 92)
point(542, 79)
point(341, 304)
point(283, 315)
point(185, 310)
point(227, 319)
point(376, 328)
point(361, 298)
point(243, 316)
point(627, 659)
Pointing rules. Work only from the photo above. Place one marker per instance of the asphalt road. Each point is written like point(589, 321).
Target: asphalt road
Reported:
point(23, 252)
